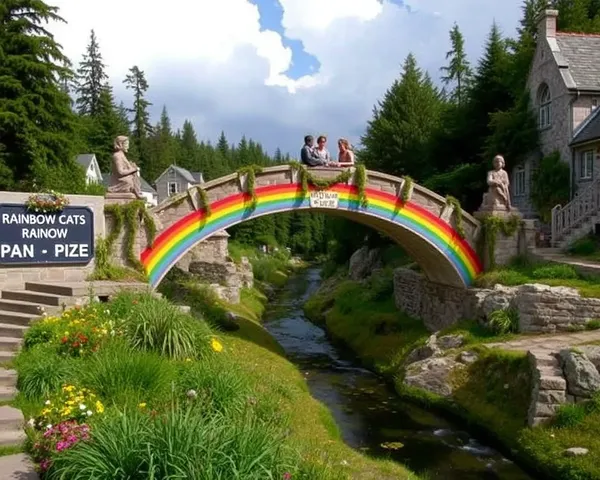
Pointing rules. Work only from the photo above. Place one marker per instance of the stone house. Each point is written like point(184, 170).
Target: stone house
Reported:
point(90, 166)
point(176, 180)
point(564, 85)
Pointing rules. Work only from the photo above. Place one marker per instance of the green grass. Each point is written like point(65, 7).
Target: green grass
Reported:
point(522, 270)
point(586, 247)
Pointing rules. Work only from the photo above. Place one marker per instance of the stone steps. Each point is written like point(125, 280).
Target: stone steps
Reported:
point(8, 378)
point(17, 467)
point(549, 387)
point(7, 393)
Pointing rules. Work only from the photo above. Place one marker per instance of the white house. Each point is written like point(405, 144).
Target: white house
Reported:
point(90, 166)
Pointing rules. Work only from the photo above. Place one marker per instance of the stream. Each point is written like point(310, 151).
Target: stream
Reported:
point(369, 414)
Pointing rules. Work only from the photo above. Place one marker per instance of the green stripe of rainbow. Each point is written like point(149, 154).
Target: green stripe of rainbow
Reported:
point(176, 240)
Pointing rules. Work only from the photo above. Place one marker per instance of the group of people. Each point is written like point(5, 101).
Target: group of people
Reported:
point(319, 156)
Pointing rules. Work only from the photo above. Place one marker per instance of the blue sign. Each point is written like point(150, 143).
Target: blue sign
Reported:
point(30, 238)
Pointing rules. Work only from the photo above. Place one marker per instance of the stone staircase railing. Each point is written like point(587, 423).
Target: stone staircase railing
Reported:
point(585, 205)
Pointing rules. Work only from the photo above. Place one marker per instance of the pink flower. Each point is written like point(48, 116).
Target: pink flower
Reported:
point(45, 464)
point(60, 446)
point(287, 476)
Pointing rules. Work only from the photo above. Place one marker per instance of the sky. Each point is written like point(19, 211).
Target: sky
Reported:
point(273, 70)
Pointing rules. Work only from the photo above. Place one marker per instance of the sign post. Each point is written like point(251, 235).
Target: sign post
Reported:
point(33, 238)
point(324, 199)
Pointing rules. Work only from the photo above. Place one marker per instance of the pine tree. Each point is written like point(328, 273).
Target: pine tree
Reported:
point(162, 147)
point(188, 155)
point(458, 70)
point(36, 120)
point(91, 79)
point(222, 145)
point(397, 137)
point(104, 127)
point(277, 157)
point(136, 81)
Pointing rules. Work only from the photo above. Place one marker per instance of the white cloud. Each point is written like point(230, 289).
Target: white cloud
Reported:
point(208, 60)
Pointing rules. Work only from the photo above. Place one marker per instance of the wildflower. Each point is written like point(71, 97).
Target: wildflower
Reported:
point(216, 345)
point(82, 406)
point(99, 407)
point(89, 413)
point(47, 402)
point(188, 359)
point(45, 464)
point(142, 405)
point(192, 394)
point(287, 476)
point(31, 422)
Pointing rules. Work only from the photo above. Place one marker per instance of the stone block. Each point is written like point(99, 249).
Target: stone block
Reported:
point(552, 383)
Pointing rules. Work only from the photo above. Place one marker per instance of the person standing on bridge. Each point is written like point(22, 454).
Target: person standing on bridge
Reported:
point(346, 155)
point(308, 154)
point(322, 151)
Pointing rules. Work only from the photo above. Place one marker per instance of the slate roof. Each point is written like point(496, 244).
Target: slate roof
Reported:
point(582, 54)
point(144, 185)
point(589, 129)
point(85, 159)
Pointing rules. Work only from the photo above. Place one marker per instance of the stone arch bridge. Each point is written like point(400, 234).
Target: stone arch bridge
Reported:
point(425, 225)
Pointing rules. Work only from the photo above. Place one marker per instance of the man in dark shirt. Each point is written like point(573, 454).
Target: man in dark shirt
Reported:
point(308, 156)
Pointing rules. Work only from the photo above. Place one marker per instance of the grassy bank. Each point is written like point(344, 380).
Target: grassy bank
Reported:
point(491, 394)
point(523, 270)
point(138, 389)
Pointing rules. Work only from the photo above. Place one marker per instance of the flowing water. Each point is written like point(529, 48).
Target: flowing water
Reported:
point(369, 414)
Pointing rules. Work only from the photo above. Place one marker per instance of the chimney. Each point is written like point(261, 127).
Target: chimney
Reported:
point(546, 24)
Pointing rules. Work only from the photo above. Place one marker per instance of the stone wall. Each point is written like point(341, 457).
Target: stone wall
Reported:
point(508, 247)
point(541, 308)
point(15, 277)
point(213, 249)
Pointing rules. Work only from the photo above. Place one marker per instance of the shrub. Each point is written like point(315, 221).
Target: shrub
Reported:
point(126, 376)
point(556, 271)
point(585, 246)
point(42, 372)
point(183, 443)
point(569, 415)
point(159, 326)
point(504, 321)
point(593, 324)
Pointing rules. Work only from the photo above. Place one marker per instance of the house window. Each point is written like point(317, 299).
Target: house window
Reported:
point(586, 164)
point(544, 102)
point(173, 188)
point(520, 182)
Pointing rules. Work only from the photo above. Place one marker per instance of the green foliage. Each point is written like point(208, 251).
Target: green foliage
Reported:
point(550, 185)
point(249, 172)
point(407, 186)
point(37, 124)
point(127, 215)
point(593, 324)
point(491, 225)
point(555, 271)
point(585, 247)
point(453, 202)
point(155, 325)
point(504, 321)
point(458, 69)
point(123, 376)
point(136, 81)
point(182, 442)
point(42, 371)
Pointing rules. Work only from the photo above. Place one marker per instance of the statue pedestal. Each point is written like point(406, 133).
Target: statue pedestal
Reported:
point(119, 198)
point(506, 247)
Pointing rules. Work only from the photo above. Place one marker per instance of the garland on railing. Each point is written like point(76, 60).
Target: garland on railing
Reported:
point(491, 225)
point(406, 186)
point(307, 178)
point(250, 171)
point(46, 202)
point(204, 203)
point(129, 215)
point(454, 202)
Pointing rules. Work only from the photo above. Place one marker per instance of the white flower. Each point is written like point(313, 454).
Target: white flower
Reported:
point(49, 426)
point(192, 394)
point(82, 406)
point(47, 402)
point(89, 413)
point(31, 422)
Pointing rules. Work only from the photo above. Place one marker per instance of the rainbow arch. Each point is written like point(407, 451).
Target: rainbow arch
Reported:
point(172, 244)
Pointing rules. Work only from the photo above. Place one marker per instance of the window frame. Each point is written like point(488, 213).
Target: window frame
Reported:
point(586, 159)
point(169, 188)
point(544, 107)
point(520, 182)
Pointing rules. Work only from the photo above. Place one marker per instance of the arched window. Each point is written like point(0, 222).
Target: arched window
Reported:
point(544, 102)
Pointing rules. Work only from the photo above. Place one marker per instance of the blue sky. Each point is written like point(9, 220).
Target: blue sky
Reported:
point(274, 70)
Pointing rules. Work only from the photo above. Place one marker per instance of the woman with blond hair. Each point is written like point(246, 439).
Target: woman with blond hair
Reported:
point(346, 155)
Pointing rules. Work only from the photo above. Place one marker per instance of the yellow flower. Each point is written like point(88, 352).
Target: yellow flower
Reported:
point(142, 405)
point(99, 407)
point(188, 359)
point(68, 388)
point(216, 345)
point(46, 411)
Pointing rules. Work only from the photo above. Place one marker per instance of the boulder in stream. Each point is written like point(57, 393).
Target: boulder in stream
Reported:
point(432, 375)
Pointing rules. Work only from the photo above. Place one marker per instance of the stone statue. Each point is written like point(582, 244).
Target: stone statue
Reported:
point(124, 176)
point(497, 197)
